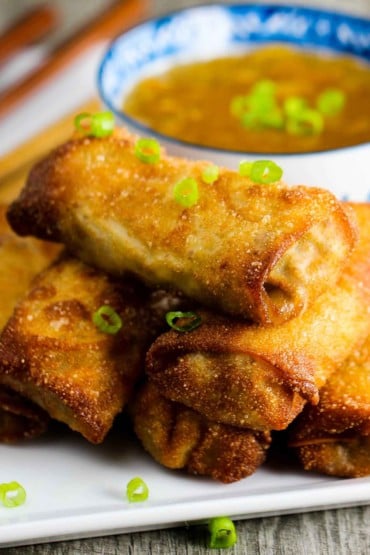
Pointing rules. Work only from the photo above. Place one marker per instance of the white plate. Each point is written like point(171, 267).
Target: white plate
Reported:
point(76, 490)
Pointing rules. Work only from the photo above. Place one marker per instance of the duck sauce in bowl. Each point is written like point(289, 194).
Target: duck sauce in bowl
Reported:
point(233, 82)
point(274, 99)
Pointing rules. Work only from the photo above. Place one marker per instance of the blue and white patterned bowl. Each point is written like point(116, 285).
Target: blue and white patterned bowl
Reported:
point(215, 30)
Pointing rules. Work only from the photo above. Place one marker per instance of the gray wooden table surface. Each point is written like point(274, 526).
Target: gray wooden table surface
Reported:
point(331, 532)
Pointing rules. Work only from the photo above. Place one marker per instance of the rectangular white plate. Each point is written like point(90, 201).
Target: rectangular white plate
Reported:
point(77, 490)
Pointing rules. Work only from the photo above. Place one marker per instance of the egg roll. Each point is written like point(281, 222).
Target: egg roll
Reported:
point(19, 418)
point(334, 436)
point(52, 352)
point(180, 438)
point(260, 377)
point(259, 251)
point(21, 260)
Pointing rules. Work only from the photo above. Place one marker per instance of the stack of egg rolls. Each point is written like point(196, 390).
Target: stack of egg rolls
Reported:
point(277, 274)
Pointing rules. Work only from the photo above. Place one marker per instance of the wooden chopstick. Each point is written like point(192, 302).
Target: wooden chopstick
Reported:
point(120, 16)
point(15, 166)
point(33, 26)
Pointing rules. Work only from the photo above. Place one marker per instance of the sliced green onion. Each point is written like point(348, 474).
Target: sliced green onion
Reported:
point(137, 490)
point(331, 101)
point(148, 151)
point(251, 120)
point(294, 105)
point(210, 174)
point(82, 122)
point(96, 125)
point(265, 171)
point(306, 122)
point(107, 320)
point(12, 494)
point(245, 168)
point(185, 192)
point(222, 532)
point(264, 88)
point(192, 320)
point(273, 118)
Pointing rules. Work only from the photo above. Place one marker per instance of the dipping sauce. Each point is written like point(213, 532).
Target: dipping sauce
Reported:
point(273, 100)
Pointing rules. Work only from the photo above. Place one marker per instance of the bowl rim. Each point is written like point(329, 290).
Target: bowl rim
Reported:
point(142, 128)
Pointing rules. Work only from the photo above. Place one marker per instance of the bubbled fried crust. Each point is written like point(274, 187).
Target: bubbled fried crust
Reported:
point(334, 436)
point(19, 418)
point(178, 437)
point(263, 252)
point(52, 353)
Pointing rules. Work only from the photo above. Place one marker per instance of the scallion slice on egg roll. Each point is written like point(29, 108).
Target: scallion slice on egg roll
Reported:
point(258, 251)
point(80, 369)
point(260, 377)
point(178, 437)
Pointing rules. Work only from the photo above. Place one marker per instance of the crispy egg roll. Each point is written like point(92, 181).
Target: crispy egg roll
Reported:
point(334, 436)
point(21, 259)
point(180, 438)
point(19, 418)
point(259, 251)
point(260, 377)
point(52, 353)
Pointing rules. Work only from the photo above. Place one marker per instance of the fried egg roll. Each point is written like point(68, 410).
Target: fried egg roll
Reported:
point(258, 251)
point(334, 436)
point(21, 259)
point(19, 418)
point(260, 377)
point(180, 438)
point(53, 353)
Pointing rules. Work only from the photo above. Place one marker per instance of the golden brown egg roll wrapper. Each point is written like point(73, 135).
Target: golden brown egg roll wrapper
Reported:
point(262, 252)
point(19, 418)
point(178, 437)
point(260, 377)
point(334, 436)
point(52, 353)
point(21, 259)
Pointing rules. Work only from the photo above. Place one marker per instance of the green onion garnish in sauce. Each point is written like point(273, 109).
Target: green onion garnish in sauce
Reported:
point(12, 494)
point(137, 490)
point(148, 151)
point(306, 122)
point(331, 101)
point(107, 320)
point(185, 192)
point(189, 320)
point(98, 125)
point(210, 174)
point(222, 532)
